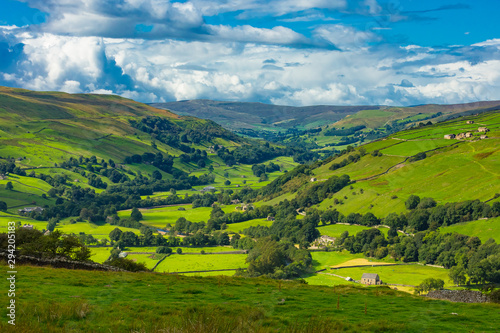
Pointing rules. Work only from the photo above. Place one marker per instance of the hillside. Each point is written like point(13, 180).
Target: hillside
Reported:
point(259, 116)
point(95, 141)
point(452, 170)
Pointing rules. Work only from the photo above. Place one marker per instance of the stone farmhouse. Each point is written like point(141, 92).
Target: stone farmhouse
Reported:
point(27, 210)
point(370, 279)
point(470, 121)
point(483, 129)
point(464, 135)
point(449, 136)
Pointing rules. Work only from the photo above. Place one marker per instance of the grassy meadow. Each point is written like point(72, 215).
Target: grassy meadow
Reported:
point(103, 302)
point(201, 262)
point(484, 229)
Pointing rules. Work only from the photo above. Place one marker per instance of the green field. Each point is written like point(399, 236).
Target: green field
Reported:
point(98, 231)
point(401, 274)
point(238, 227)
point(144, 259)
point(323, 260)
point(335, 230)
point(100, 254)
point(484, 229)
point(94, 301)
point(194, 262)
point(184, 249)
point(159, 217)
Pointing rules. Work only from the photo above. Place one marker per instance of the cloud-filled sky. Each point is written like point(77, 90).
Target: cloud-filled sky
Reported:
point(293, 52)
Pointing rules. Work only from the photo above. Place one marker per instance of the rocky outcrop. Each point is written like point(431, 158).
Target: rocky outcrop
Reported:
point(60, 263)
point(464, 296)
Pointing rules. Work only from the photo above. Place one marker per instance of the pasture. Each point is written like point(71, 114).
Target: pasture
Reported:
point(238, 227)
point(98, 231)
point(400, 274)
point(201, 262)
point(335, 230)
point(100, 254)
point(484, 229)
point(160, 217)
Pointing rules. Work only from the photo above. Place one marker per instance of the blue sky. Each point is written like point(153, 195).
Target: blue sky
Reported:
point(295, 52)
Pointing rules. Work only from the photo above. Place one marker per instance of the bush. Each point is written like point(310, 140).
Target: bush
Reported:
point(127, 265)
point(426, 203)
point(163, 250)
point(179, 250)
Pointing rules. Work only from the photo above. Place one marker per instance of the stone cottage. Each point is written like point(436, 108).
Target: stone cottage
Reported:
point(370, 279)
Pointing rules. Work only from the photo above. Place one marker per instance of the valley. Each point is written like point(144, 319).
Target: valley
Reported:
point(226, 219)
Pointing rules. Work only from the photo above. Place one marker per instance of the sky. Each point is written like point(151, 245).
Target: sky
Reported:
point(288, 52)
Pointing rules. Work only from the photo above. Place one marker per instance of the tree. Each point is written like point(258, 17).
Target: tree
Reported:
point(136, 214)
point(227, 183)
point(457, 275)
point(9, 186)
point(164, 250)
point(412, 202)
point(157, 175)
point(3, 206)
point(179, 250)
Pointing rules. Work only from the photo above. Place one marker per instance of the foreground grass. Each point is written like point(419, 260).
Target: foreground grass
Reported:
point(84, 301)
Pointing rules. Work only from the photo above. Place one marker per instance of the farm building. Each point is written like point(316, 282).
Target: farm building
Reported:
point(2, 176)
point(370, 279)
point(483, 129)
point(449, 136)
point(27, 226)
point(464, 135)
point(314, 179)
point(484, 137)
point(27, 210)
point(207, 188)
point(270, 218)
point(470, 121)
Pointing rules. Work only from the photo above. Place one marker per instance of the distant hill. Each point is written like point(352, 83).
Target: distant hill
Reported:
point(259, 116)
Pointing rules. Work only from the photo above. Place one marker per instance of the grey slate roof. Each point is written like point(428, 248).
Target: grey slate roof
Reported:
point(369, 276)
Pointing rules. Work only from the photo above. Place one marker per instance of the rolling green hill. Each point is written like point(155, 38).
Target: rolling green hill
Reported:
point(452, 171)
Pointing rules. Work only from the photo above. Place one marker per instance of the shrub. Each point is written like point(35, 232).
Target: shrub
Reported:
point(163, 249)
point(127, 265)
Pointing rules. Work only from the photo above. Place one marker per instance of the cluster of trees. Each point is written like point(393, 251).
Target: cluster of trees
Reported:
point(189, 131)
point(319, 191)
point(423, 214)
point(344, 132)
point(34, 243)
point(428, 285)
point(277, 260)
point(287, 227)
point(10, 167)
point(198, 156)
point(468, 259)
point(160, 160)
point(261, 169)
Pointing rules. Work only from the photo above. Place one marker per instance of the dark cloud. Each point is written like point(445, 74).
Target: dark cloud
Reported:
point(405, 83)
